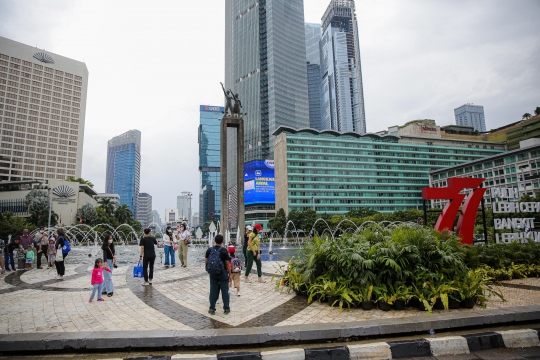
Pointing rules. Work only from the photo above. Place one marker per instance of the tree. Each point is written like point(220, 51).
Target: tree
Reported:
point(279, 222)
point(123, 214)
point(361, 212)
point(13, 225)
point(37, 202)
point(537, 111)
point(88, 214)
point(526, 116)
point(107, 205)
point(80, 181)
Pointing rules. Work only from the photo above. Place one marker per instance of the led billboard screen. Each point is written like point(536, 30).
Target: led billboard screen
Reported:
point(259, 184)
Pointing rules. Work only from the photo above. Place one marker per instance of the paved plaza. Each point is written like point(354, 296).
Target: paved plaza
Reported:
point(34, 302)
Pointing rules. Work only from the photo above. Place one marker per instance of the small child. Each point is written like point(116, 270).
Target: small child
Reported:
point(21, 257)
point(236, 269)
point(97, 279)
point(30, 257)
point(51, 253)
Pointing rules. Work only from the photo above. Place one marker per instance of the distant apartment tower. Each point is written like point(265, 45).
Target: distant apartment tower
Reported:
point(209, 163)
point(124, 168)
point(265, 63)
point(471, 115)
point(342, 86)
point(195, 220)
point(156, 219)
point(183, 204)
point(313, 58)
point(42, 113)
point(144, 209)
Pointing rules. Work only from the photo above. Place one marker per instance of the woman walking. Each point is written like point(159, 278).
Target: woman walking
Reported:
point(110, 259)
point(168, 243)
point(183, 238)
point(60, 254)
point(254, 253)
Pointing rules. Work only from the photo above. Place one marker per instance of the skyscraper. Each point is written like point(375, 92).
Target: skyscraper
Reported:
point(209, 162)
point(144, 208)
point(265, 63)
point(471, 115)
point(43, 101)
point(313, 57)
point(183, 203)
point(342, 88)
point(124, 168)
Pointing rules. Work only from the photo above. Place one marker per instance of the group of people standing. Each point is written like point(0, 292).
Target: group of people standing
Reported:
point(176, 241)
point(27, 249)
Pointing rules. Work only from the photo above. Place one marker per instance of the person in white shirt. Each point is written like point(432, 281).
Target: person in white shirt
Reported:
point(183, 236)
point(168, 247)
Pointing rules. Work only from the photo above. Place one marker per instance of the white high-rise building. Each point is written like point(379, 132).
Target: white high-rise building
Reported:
point(42, 113)
point(183, 203)
point(471, 115)
point(144, 208)
point(342, 94)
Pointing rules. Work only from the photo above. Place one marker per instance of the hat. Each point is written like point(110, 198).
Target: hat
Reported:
point(42, 227)
point(258, 227)
point(249, 228)
point(231, 249)
point(25, 231)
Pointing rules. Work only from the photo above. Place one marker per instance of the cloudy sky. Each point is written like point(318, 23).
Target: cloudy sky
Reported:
point(152, 63)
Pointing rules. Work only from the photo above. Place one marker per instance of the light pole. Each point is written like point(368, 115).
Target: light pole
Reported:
point(50, 209)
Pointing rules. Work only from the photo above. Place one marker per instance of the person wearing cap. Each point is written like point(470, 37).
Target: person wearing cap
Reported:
point(42, 244)
point(254, 253)
point(26, 239)
point(249, 229)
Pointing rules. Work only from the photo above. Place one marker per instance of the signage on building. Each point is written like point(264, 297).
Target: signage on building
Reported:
point(467, 218)
point(426, 128)
point(259, 182)
point(218, 109)
point(43, 57)
point(64, 192)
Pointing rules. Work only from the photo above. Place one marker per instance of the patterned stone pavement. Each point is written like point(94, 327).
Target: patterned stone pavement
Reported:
point(34, 301)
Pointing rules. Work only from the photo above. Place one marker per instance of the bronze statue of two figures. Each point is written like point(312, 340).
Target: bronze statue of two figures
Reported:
point(230, 109)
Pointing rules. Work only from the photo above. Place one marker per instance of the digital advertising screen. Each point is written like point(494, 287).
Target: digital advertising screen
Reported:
point(259, 184)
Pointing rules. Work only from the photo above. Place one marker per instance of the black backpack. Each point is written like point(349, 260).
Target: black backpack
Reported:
point(214, 265)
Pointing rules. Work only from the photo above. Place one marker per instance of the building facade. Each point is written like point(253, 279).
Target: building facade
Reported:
point(265, 63)
point(124, 168)
point(42, 113)
point(336, 172)
point(171, 216)
point(471, 115)
point(342, 93)
point(516, 169)
point(313, 58)
point(156, 219)
point(526, 129)
point(209, 163)
point(183, 204)
point(115, 198)
point(195, 220)
point(144, 209)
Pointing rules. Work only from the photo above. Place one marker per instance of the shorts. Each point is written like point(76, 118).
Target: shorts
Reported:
point(236, 280)
point(29, 261)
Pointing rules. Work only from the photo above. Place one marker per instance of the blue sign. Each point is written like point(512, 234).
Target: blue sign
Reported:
point(209, 108)
point(259, 183)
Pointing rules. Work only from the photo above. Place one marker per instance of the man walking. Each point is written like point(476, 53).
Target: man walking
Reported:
point(217, 265)
point(42, 245)
point(148, 250)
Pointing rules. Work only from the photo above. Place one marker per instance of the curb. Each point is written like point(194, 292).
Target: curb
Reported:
point(450, 345)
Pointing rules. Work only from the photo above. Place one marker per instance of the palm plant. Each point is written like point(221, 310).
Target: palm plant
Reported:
point(123, 214)
point(107, 205)
point(526, 116)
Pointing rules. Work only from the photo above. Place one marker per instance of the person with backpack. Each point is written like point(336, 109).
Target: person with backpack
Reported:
point(219, 270)
point(236, 269)
point(62, 250)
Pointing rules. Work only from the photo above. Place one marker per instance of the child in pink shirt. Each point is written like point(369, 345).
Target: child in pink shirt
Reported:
point(97, 279)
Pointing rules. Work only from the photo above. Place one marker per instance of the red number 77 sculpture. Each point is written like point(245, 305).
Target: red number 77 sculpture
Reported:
point(465, 225)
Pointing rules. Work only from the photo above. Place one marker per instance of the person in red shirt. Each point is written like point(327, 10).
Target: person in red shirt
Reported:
point(97, 279)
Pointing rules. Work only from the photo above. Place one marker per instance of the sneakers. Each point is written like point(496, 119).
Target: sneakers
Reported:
point(173, 265)
point(246, 279)
point(261, 280)
point(110, 294)
point(184, 265)
point(146, 283)
point(227, 311)
point(90, 300)
point(150, 281)
point(212, 312)
point(100, 299)
point(238, 293)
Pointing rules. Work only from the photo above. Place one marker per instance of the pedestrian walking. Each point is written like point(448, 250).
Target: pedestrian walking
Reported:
point(20, 254)
point(254, 253)
point(26, 239)
point(41, 243)
point(51, 252)
point(183, 238)
point(97, 279)
point(30, 257)
point(245, 244)
point(8, 255)
point(62, 251)
point(236, 269)
point(2, 256)
point(110, 259)
point(219, 270)
point(168, 243)
point(148, 256)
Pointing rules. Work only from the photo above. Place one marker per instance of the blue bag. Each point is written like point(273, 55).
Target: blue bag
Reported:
point(214, 265)
point(138, 271)
point(66, 248)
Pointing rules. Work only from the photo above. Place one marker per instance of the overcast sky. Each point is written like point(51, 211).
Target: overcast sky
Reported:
point(152, 63)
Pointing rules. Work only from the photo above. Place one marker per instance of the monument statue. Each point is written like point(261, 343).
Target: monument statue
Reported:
point(230, 109)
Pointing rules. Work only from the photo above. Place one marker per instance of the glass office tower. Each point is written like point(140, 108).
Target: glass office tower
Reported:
point(209, 162)
point(124, 168)
point(471, 115)
point(313, 58)
point(342, 86)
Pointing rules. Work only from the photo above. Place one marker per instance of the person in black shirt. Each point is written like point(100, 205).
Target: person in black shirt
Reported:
point(147, 248)
point(219, 281)
point(245, 244)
